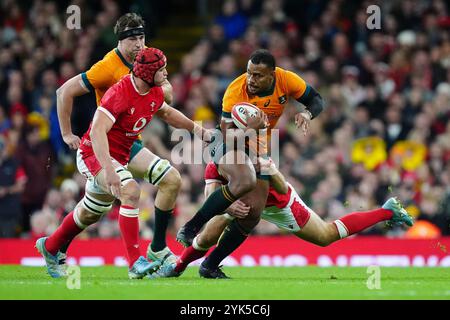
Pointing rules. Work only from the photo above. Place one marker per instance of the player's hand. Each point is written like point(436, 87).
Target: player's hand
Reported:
point(208, 136)
point(302, 120)
point(72, 140)
point(259, 121)
point(113, 182)
point(238, 209)
point(266, 166)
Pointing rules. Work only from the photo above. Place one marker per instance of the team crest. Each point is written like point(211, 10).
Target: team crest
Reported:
point(282, 99)
point(153, 104)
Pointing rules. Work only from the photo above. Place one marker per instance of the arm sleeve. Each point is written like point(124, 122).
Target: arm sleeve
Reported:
point(112, 103)
point(98, 76)
point(296, 86)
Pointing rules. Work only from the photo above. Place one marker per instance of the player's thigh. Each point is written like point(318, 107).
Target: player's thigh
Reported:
point(124, 175)
point(140, 160)
point(316, 230)
point(235, 164)
point(146, 165)
point(212, 230)
point(256, 199)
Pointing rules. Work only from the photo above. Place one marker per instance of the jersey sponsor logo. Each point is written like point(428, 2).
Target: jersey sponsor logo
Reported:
point(132, 110)
point(282, 99)
point(140, 124)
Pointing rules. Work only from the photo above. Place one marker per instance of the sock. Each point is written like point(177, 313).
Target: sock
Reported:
point(357, 221)
point(216, 203)
point(233, 236)
point(187, 256)
point(69, 228)
point(162, 219)
point(129, 228)
point(65, 246)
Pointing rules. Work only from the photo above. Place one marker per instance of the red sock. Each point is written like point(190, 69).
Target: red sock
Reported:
point(357, 221)
point(129, 227)
point(65, 232)
point(189, 254)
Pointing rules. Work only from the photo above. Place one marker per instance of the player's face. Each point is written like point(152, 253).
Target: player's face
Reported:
point(259, 78)
point(132, 45)
point(161, 76)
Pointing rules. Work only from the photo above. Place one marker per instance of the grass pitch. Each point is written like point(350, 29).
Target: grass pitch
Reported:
point(247, 283)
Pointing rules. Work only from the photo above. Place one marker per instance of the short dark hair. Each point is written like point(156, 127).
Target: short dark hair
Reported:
point(263, 56)
point(127, 21)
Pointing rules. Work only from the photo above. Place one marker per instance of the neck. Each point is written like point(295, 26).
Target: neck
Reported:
point(124, 54)
point(141, 86)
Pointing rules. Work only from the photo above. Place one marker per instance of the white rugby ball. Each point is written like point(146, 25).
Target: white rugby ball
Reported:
point(241, 111)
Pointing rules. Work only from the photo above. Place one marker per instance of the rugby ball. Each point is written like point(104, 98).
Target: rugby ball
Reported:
point(241, 111)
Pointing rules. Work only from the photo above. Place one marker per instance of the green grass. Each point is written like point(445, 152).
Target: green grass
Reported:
point(17, 282)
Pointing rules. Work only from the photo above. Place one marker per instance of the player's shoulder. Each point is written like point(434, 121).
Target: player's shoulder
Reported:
point(238, 83)
point(287, 78)
point(111, 56)
point(235, 90)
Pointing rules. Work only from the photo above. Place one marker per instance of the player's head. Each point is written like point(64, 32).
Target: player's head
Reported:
point(150, 66)
point(260, 71)
point(130, 33)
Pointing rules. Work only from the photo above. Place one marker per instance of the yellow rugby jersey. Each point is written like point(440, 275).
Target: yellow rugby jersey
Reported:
point(287, 84)
point(106, 72)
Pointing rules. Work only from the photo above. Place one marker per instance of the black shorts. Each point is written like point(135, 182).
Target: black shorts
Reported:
point(218, 150)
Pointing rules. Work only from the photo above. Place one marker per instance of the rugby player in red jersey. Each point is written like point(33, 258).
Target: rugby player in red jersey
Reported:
point(103, 156)
point(286, 210)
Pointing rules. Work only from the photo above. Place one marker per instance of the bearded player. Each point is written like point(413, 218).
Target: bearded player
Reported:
point(104, 153)
point(286, 210)
point(269, 88)
point(143, 163)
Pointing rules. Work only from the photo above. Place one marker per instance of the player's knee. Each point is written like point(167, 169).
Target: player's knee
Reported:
point(325, 237)
point(207, 240)
point(87, 218)
point(171, 182)
point(131, 192)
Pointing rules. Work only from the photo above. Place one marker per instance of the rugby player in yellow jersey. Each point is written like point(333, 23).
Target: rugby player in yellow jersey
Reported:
point(269, 88)
point(143, 163)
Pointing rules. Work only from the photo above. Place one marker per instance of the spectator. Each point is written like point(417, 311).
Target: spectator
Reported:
point(36, 158)
point(12, 182)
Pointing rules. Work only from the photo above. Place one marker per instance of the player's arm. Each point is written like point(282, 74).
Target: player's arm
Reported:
point(101, 125)
point(312, 101)
point(65, 95)
point(306, 95)
point(276, 179)
point(178, 120)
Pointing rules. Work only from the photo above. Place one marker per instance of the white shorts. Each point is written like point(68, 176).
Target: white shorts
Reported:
point(89, 167)
point(291, 218)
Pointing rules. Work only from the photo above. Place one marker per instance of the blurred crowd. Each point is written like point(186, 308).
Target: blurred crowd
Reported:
point(385, 131)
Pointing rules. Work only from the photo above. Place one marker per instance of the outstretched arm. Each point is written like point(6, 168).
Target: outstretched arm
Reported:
point(65, 95)
point(178, 120)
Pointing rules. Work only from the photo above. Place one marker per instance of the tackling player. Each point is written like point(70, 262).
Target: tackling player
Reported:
point(104, 153)
point(286, 210)
point(269, 88)
point(143, 163)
